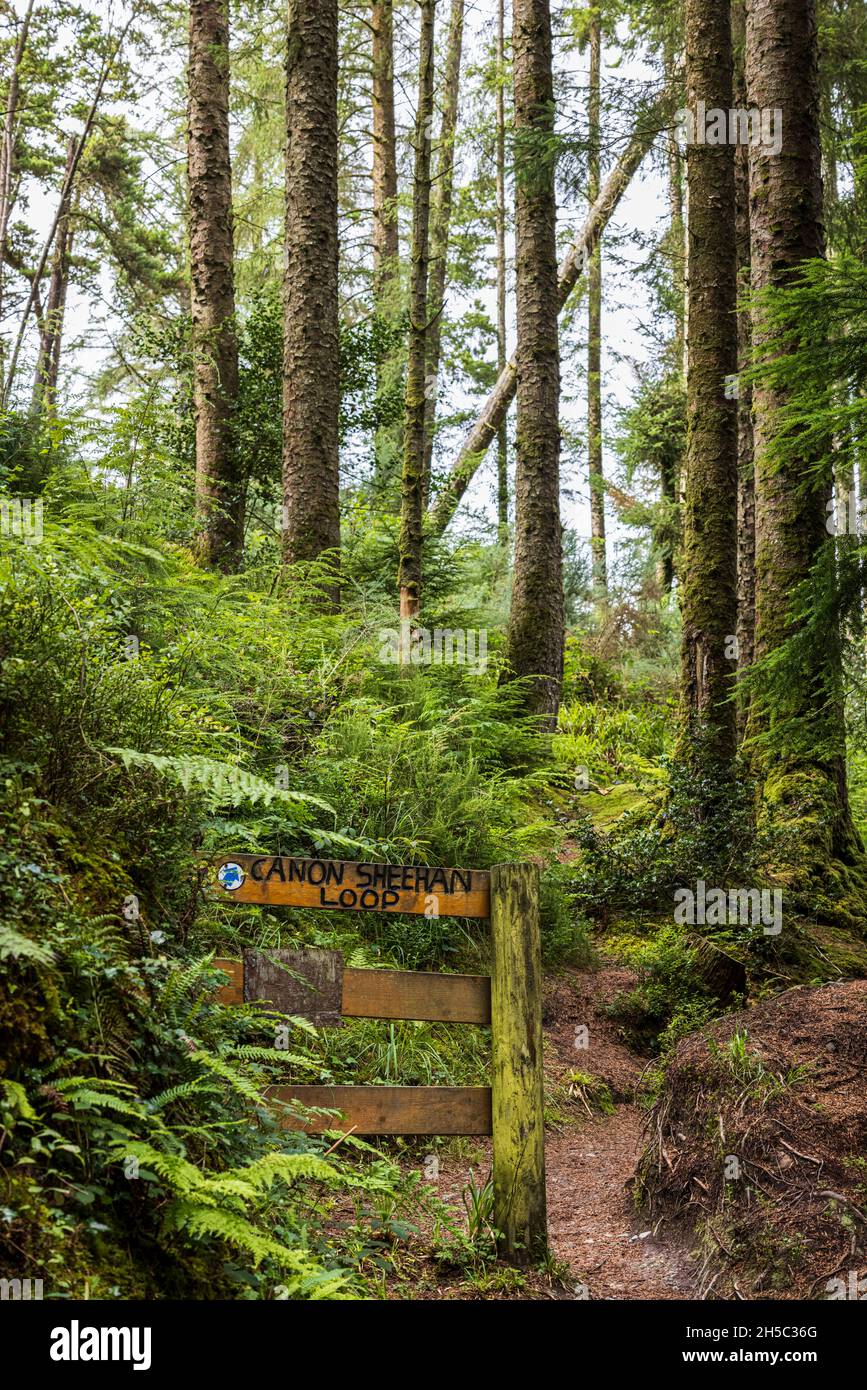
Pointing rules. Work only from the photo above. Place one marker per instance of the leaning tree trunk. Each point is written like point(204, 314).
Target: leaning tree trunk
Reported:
point(535, 640)
point(412, 482)
point(594, 324)
point(801, 765)
point(746, 464)
point(708, 584)
point(311, 334)
point(219, 481)
point(574, 264)
point(440, 224)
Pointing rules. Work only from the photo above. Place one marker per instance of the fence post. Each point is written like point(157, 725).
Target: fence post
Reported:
point(516, 1073)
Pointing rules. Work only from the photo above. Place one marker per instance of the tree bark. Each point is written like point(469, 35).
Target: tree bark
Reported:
point(535, 639)
point(219, 484)
point(708, 586)
point(669, 482)
point(594, 322)
point(493, 413)
point(801, 776)
point(385, 229)
point(440, 224)
point(311, 338)
point(502, 349)
point(412, 482)
point(746, 465)
point(51, 320)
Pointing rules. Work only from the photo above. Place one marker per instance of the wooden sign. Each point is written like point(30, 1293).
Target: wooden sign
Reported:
point(339, 885)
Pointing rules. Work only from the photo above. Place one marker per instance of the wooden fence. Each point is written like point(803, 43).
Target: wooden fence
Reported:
point(315, 984)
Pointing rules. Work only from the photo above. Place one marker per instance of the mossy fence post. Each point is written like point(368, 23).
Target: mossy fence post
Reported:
point(517, 1081)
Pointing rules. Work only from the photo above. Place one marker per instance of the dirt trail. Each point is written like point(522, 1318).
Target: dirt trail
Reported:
point(592, 1223)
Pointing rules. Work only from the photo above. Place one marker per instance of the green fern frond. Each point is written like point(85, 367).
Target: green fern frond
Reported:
point(201, 1085)
point(225, 783)
point(14, 943)
point(199, 1221)
point(239, 1083)
point(14, 1097)
point(250, 1053)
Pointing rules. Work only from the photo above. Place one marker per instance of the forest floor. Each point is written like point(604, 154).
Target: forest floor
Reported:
point(602, 1247)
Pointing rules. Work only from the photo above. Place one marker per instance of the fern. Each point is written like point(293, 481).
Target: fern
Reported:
point(14, 943)
point(224, 783)
point(248, 1052)
point(239, 1083)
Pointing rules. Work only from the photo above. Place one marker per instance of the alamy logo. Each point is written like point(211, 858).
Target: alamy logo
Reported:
point(444, 646)
point(20, 1289)
point(716, 907)
point(733, 127)
point(21, 516)
point(847, 515)
point(852, 1287)
point(76, 1343)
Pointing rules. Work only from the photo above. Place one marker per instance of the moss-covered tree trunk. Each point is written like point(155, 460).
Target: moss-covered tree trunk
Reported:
point(800, 765)
point(746, 622)
point(594, 321)
point(669, 482)
point(535, 642)
point(707, 591)
point(311, 338)
point(47, 372)
point(219, 477)
point(412, 480)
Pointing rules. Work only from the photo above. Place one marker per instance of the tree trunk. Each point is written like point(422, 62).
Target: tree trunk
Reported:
point(535, 641)
point(708, 587)
point(502, 351)
point(440, 223)
point(746, 464)
point(7, 148)
point(311, 335)
point(669, 482)
point(594, 323)
point(493, 413)
point(219, 484)
point(385, 230)
point(801, 775)
point(51, 323)
point(412, 483)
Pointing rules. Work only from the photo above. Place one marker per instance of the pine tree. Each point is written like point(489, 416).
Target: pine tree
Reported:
point(219, 484)
point(311, 341)
point(707, 591)
point(412, 479)
point(536, 621)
